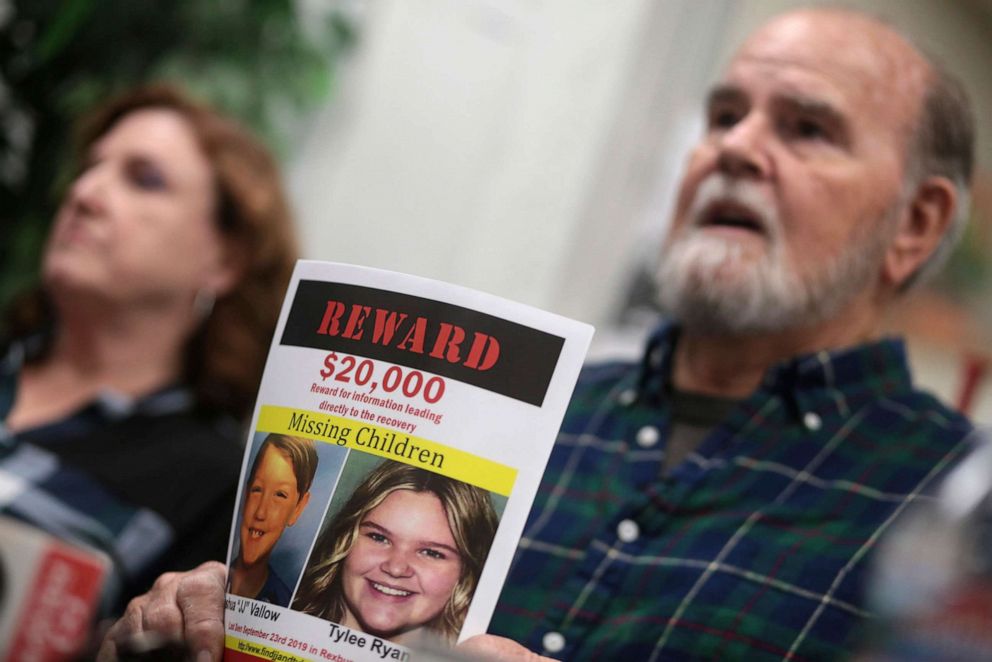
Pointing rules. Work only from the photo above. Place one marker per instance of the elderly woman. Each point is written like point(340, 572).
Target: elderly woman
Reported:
point(129, 372)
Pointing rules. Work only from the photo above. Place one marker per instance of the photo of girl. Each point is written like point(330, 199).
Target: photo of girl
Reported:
point(275, 495)
point(402, 557)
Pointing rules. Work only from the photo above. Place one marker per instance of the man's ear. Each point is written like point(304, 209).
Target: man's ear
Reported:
point(922, 225)
point(298, 510)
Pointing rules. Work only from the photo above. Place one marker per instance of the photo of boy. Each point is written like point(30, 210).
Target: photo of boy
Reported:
point(275, 495)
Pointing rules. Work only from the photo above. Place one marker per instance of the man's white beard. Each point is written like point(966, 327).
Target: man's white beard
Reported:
point(710, 283)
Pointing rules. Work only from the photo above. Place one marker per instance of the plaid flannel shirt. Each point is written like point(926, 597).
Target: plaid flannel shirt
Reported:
point(757, 546)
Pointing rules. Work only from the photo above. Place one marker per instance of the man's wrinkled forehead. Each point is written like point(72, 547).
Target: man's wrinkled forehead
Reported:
point(850, 50)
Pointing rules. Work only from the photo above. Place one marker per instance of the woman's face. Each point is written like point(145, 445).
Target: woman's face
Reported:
point(272, 502)
point(137, 225)
point(402, 568)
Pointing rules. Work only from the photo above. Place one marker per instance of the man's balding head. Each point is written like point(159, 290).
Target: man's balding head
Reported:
point(935, 111)
point(840, 42)
point(825, 181)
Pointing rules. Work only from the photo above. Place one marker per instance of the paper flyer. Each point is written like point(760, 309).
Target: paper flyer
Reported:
point(400, 433)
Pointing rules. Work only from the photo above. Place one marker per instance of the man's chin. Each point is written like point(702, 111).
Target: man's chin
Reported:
point(726, 290)
point(729, 308)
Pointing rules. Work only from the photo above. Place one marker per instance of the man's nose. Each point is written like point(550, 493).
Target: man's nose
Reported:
point(397, 563)
point(743, 148)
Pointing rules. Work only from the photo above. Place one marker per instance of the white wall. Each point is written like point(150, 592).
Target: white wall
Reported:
point(466, 139)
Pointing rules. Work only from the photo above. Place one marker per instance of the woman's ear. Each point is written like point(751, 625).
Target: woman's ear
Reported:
point(229, 269)
point(922, 225)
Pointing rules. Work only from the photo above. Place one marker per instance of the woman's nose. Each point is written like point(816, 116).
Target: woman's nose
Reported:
point(89, 190)
point(397, 564)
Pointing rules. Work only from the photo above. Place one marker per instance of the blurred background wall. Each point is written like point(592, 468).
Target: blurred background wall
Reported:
point(530, 148)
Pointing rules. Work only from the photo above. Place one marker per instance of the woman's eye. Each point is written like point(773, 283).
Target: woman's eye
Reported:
point(255, 489)
point(146, 176)
point(433, 553)
point(375, 536)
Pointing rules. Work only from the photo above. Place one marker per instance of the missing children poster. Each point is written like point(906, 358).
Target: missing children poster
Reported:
point(400, 433)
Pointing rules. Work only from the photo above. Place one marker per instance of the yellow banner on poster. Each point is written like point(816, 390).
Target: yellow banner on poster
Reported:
point(262, 651)
point(390, 444)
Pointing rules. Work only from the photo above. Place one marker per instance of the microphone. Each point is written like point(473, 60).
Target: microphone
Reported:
point(50, 594)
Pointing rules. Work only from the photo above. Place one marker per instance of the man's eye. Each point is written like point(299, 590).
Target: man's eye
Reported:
point(723, 118)
point(808, 129)
point(282, 494)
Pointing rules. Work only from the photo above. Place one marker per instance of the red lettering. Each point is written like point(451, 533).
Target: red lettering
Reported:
point(387, 326)
point(415, 337)
point(483, 353)
point(386, 323)
point(444, 338)
point(332, 314)
point(353, 330)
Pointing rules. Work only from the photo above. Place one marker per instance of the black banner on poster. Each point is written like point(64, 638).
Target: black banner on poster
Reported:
point(462, 344)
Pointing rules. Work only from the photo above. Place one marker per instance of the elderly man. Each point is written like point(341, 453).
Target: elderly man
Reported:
point(721, 499)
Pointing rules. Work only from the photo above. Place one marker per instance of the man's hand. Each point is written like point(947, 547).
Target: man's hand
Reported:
point(185, 607)
point(491, 647)
point(188, 607)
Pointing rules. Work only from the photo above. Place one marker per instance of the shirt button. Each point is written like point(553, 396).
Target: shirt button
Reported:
point(553, 642)
point(627, 398)
point(647, 436)
point(812, 421)
point(628, 531)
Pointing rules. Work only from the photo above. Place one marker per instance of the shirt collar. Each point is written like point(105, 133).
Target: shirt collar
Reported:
point(168, 400)
point(823, 380)
point(843, 379)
